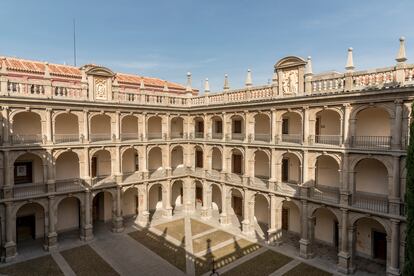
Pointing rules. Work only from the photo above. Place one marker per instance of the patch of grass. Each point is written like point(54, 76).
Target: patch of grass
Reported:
point(263, 264)
point(39, 266)
point(173, 254)
point(210, 240)
point(225, 255)
point(304, 269)
point(198, 227)
point(85, 261)
point(174, 229)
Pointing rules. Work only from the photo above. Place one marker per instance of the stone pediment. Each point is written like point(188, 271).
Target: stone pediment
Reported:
point(290, 61)
point(95, 70)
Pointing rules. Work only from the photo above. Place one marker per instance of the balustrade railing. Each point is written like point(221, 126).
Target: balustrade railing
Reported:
point(262, 137)
point(376, 142)
point(66, 138)
point(287, 189)
point(129, 136)
point(19, 139)
point(325, 193)
point(177, 135)
point(154, 135)
point(328, 85)
point(28, 190)
point(237, 136)
point(376, 203)
point(199, 135)
point(292, 138)
point(334, 140)
point(69, 185)
point(99, 137)
point(217, 135)
point(363, 80)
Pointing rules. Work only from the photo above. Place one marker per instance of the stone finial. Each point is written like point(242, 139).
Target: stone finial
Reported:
point(165, 89)
point(401, 57)
point(274, 77)
point(206, 87)
point(83, 75)
point(226, 86)
point(142, 85)
point(308, 69)
point(350, 61)
point(3, 67)
point(188, 86)
point(47, 72)
point(249, 78)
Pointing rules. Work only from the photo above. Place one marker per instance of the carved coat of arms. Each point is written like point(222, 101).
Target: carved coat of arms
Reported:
point(100, 89)
point(290, 82)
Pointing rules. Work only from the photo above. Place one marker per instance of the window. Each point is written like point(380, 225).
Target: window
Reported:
point(219, 127)
point(285, 126)
point(237, 126)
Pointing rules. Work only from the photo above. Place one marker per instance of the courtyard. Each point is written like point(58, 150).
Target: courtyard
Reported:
point(183, 244)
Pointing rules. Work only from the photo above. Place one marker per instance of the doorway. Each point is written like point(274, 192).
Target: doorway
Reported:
point(237, 164)
point(285, 219)
point(238, 206)
point(380, 245)
point(26, 228)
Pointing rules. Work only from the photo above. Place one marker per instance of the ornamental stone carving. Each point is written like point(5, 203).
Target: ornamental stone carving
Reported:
point(100, 89)
point(290, 82)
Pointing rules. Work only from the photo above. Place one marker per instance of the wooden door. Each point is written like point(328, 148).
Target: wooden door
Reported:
point(380, 245)
point(238, 205)
point(285, 219)
point(94, 167)
point(237, 164)
point(285, 170)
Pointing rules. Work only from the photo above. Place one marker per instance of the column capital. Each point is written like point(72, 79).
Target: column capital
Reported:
point(398, 101)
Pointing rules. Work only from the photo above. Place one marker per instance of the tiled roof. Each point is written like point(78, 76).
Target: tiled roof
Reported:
point(38, 67)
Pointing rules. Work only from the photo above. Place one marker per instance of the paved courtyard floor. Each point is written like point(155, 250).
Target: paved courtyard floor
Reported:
point(181, 245)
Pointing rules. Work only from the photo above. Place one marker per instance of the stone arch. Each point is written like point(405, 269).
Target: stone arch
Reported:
point(326, 225)
point(199, 126)
point(33, 167)
point(291, 167)
point(177, 127)
point(237, 161)
point(155, 196)
point(68, 214)
point(130, 202)
point(217, 126)
point(262, 163)
point(100, 127)
point(177, 193)
point(177, 156)
point(238, 126)
point(198, 156)
point(101, 162)
point(129, 127)
point(103, 203)
point(216, 154)
point(216, 196)
point(328, 126)
point(327, 170)
point(26, 127)
point(371, 175)
point(262, 127)
point(154, 127)
point(261, 213)
point(34, 211)
point(372, 120)
point(67, 165)
point(155, 158)
point(66, 127)
point(130, 160)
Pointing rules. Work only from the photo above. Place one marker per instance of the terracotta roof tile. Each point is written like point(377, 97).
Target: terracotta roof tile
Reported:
point(37, 67)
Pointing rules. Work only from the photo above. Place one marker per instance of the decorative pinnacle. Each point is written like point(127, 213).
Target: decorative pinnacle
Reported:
point(350, 61)
point(165, 89)
point(308, 69)
point(188, 86)
point(142, 85)
point(249, 78)
point(274, 77)
point(226, 86)
point(401, 57)
point(206, 87)
point(47, 72)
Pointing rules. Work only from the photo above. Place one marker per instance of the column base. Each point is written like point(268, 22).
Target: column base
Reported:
point(51, 242)
point(344, 263)
point(205, 213)
point(10, 251)
point(143, 219)
point(167, 212)
point(87, 233)
point(118, 225)
point(224, 219)
point(246, 229)
point(305, 249)
point(391, 271)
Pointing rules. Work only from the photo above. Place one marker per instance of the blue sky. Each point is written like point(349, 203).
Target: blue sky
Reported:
point(168, 38)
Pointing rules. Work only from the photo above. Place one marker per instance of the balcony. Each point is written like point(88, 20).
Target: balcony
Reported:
point(103, 180)
point(99, 137)
point(177, 135)
point(20, 139)
point(325, 193)
point(373, 202)
point(66, 138)
point(289, 189)
point(199, 135)
point(371, 142)
point(217, 136)
point(292, 138)
point(28, 190)
point(262, 137)
point(154, 136)
point(69, 185)
point(237, 136)
point(334, 140)
point(129, 136)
